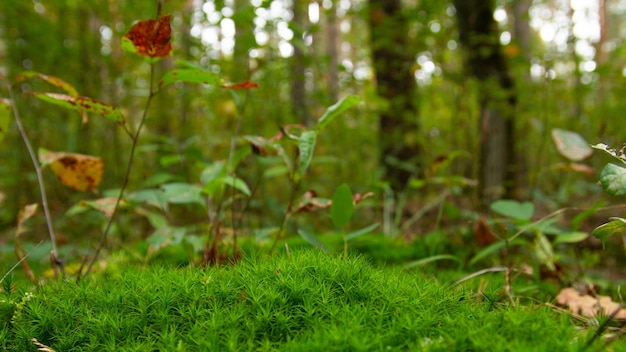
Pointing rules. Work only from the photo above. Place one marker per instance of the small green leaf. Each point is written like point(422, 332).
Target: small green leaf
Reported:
point(513, 209)
point(361, 232)
point(335, 110)
point(183, 193)
point(617, 226)
point(6, 112)
point(571, 145)
point(431, 259)
point(306, 146)
point(342, 208)
point(83, 104)
point(570, 237)
point(190, 75)
point(237, 184)
point(312, 239)
point(613, 179)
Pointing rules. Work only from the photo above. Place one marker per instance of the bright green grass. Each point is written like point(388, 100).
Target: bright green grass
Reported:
point(307, 302)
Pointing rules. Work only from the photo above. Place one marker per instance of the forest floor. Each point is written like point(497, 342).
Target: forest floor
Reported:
point(301, 300)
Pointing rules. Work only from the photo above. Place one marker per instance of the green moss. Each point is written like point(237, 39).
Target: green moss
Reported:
point(308, 301)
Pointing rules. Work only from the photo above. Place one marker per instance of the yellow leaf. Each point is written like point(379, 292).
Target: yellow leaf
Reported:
point(77, 171)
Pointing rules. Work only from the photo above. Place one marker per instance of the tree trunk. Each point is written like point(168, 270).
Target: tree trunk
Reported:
point(392, 61)
point(299, 106)
point(332, 41)
point(479, 35)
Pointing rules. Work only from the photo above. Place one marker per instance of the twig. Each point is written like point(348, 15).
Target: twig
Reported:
point(57, 263)
point(129, 166)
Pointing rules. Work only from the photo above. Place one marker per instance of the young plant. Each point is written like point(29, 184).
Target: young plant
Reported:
point(305, 144)
point(341, 212)
point(613, 181)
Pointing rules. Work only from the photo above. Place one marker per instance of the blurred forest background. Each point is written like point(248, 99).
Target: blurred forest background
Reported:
point(459, 100)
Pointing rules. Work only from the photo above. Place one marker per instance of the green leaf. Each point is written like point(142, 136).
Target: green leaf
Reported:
point(361, 232)
point(312, 239)
point(5, 117)
point(306, 145)
point(617, 226)
point(335, 110)
point(212, 172)
point(165, 236)
point(494, 248)
point(571, 145)
point(513, 209)
point(153, 197)
point(237, 184)
point(55, 81)
point(570, 237)
point(613, 179)
point(431, 259)
point(190, 75)
point(342, 208)
point(183, 193)
point(83, 104)
point(612, 152)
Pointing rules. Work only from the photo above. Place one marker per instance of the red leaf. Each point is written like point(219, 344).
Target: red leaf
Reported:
point(151, 37)
point(241, 85)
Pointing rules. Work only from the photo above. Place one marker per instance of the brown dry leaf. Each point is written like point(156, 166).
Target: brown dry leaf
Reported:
point(41, 347)
point(310, 202)
point(151, 37)
point(589, 306)
point(482, 232)
point(26, 213)
point(358, 197)
point(77, 171)
point(241, 85)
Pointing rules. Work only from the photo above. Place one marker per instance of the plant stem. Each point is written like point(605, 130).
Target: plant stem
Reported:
point(57, 263)
point(129, 166)
point(294, 189)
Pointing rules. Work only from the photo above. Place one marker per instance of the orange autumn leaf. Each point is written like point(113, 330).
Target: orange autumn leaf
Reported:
point(77, 171)
point(151, 37)
point(241, 85)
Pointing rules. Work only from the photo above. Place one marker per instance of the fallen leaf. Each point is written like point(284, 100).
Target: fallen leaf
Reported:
point(77, 171)
point(589, 306)
point(151, 37)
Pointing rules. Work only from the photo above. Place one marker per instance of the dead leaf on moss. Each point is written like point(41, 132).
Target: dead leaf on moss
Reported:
point(589, 306)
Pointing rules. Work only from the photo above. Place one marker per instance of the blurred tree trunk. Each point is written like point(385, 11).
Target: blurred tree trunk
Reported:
point(332, 43)
point(479, 35)
point(244, 40)
point(299, 106)
point(392, 61)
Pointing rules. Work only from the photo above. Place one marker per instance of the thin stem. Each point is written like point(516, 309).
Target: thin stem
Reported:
point(129, 167)
point(57, 264)
point(292, 197)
